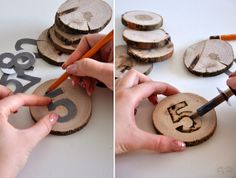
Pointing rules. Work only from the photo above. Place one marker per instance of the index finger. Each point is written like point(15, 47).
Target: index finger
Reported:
point(144, 90)
point(4, 91)
point(130, 79)
point(233, 74)
point(13, 103)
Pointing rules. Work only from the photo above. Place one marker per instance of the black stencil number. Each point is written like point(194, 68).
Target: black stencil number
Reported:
point(67, 103)
point(27, 62)
point(26, 41)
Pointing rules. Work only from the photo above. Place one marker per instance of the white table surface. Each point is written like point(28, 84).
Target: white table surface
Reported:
point(187, 22)
point(87, 153)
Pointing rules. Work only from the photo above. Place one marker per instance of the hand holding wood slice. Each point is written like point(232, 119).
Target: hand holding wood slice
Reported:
point(171, 117)
point(72, 104)
point(209, 57)
point(124, 62)
point(83, 16)
point(146, 39)
point(142, 20)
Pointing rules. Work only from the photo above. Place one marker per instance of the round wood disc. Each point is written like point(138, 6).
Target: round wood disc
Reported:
point(79, 115)
point(68, 39)
point(48, 52)
point(171, 117)
point(209, 57)
point(58, 44)
point(152, 55)
point(124, 62)
point(146, 39)
point(83, 16)
point(142, 20)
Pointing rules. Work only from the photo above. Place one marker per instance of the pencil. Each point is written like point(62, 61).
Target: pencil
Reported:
point(224, 37)
point(88, 54)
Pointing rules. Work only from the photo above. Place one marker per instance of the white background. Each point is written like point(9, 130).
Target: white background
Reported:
point(187, 22)
point(87, 153)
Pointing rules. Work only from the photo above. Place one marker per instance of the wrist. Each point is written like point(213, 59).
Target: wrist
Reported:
point(105, 74)
point(102, 72)
point(8, 167)
point(7, 171)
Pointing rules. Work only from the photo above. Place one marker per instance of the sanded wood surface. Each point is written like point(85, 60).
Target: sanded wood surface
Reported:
point(48, 52)
point(142, 20)
point(171, 118)
point(146, 39)
point(209, 57)
point(76, 95)
point(58, 44)
point(83, 16)
point(152, 55)
point(68, 39)
point(124, 62)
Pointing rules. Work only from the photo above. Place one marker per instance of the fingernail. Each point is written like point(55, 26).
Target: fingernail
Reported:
point(63, 66)
point(83, 84)
point(154, 102)
point(231, 74)
point(178, 145)
point(231, 82)
point(53, 118)
point(72, 69)
point(73, 83)
point(153, 99)
point(10, 93)
point(51, 100)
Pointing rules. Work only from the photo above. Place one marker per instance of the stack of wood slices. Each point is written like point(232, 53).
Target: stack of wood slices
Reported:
point(73, 20)
point(145, 40)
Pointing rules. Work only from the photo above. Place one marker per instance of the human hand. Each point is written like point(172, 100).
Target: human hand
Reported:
point(231, 82)
point(15, 144)
point(4, 92)
point(86, 71)
point(130, 91)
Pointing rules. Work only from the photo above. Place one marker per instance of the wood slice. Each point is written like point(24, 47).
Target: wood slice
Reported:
point(171, 118)
point(152, 55)
point(124, 62)
point(142, 20)
point(68, 39)
point(209, 57)
point(58, 44)
point(78, 111)
point(146, 39)
point(48, 52)
point(83, 16)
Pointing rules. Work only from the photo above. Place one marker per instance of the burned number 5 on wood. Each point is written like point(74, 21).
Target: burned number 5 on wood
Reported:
point(181, 118)
point(67, 103)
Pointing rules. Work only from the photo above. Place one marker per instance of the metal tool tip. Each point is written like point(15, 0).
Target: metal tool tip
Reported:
point(194, 115)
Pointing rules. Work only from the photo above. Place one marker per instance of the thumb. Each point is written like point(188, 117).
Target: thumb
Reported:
point(231, 82)
point(81, 67)
point(158, 143)
point(85, 67)
point(42, 128)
